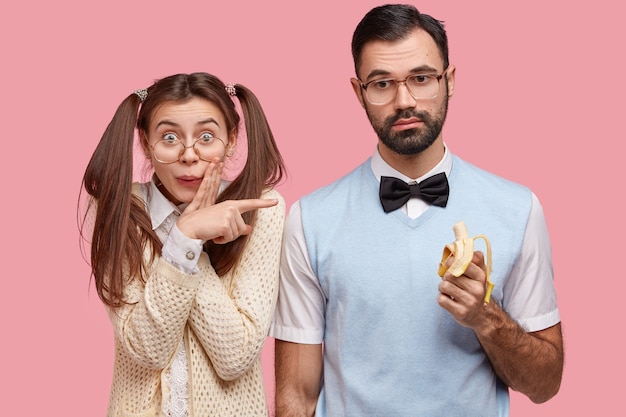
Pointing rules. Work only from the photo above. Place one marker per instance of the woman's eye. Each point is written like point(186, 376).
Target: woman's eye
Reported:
point(207, 137)
point(170, 138)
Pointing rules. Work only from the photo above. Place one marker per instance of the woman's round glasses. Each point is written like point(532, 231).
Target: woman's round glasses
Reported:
point(168, 151)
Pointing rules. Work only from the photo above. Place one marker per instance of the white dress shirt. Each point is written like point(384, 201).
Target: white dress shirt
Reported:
point(300, 310)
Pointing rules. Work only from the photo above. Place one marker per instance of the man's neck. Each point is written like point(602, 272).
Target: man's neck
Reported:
point(414, 166)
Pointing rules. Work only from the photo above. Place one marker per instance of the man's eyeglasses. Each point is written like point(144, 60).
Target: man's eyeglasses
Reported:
point(420, 86)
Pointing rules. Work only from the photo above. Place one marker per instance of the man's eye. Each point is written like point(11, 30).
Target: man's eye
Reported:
point(383, 84)
point(419, 79)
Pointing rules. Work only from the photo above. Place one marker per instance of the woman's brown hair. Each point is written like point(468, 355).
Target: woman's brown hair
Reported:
point(122, 229)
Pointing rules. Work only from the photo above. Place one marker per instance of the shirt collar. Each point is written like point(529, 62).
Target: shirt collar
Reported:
point(159, 207)
point(380, 167)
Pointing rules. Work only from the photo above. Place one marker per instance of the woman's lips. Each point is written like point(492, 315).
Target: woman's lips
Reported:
point(189, 181)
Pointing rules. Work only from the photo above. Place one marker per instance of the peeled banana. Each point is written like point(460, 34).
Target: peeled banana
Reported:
point(462, 251)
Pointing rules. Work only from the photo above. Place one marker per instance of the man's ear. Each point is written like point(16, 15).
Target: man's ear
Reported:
point(356, 86)
point(450, 77)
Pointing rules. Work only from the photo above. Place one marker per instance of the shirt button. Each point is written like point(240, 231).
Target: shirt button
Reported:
point(190, 255)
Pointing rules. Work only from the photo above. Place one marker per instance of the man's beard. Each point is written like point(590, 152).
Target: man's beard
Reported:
point(411, 141)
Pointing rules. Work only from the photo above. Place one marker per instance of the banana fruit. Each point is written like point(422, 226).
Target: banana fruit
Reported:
point(462, 249)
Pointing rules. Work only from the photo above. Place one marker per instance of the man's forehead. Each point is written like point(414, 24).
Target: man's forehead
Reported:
point(417, 49)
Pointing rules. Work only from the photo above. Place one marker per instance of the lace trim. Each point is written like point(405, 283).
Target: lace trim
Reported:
point(179, 400)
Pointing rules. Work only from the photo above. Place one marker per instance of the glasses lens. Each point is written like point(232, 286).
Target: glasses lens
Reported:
point(209, 148)
point(423, 87)
point(381, 91)
point(168, 151)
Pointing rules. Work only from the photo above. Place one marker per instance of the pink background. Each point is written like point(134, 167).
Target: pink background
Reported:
point(539, 98)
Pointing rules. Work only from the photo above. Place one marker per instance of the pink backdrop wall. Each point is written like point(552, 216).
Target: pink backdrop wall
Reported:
point(539, 100)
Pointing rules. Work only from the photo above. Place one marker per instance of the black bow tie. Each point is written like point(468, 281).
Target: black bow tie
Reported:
point(394, 193)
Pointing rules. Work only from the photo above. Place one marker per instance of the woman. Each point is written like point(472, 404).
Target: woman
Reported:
point(187, 264)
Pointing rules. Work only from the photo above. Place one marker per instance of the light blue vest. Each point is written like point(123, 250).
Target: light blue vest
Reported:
point(389, 348)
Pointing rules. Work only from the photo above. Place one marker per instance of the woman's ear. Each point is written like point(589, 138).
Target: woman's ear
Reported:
point(232, 143)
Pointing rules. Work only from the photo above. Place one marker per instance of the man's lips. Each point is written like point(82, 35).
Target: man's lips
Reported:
point(405, 124)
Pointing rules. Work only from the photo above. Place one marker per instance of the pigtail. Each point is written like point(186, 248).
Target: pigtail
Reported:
point(265, 165)
point(264, 168)
point(116, 245)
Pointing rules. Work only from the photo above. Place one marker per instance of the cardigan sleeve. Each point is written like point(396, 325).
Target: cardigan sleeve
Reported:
point(231, 315)
point(150, 327)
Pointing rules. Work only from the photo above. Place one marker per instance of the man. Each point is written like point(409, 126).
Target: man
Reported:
point(364, 326)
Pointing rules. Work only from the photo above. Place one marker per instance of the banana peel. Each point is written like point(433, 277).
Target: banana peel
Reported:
point(462, 252)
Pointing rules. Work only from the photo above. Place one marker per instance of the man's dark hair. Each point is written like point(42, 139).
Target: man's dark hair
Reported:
point(393, 22)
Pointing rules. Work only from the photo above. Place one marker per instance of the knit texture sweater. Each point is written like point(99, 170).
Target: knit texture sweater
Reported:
point(224, 322)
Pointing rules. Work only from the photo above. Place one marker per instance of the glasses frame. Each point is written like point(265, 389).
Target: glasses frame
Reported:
point(364, 86)
point(193, 145)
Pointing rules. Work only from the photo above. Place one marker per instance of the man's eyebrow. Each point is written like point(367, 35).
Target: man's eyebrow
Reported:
point(424, 68)
point(376, 73)
point(418, 69)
